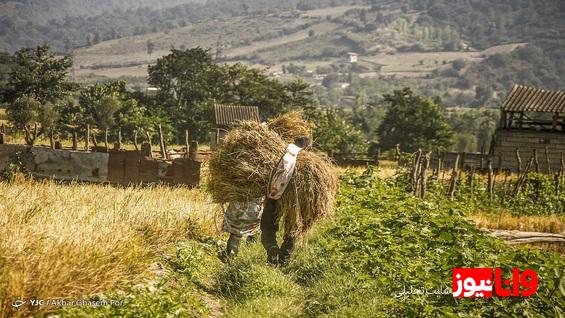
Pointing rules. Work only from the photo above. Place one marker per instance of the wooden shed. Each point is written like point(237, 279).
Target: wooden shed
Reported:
point(532, 123)
point(226, 117)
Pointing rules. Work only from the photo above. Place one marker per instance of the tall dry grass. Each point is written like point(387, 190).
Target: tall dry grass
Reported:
point(527, 223)
point(74, 240)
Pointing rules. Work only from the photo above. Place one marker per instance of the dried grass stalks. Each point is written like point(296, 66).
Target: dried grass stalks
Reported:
point(241, 167)
point(291, 125)
point(310, 195)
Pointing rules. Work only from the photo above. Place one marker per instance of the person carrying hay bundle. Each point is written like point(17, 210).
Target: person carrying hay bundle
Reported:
point(278, 183)
point(244, 164)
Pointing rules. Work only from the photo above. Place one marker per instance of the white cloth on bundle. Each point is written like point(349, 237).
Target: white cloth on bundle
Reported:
point(283, 173)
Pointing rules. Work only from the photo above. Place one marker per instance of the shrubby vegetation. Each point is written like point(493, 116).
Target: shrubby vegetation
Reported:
point(382, 241)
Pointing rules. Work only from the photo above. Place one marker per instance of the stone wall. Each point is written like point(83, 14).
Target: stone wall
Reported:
point(117, 167)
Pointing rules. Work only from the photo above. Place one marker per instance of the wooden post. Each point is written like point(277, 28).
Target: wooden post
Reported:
point(51, 139)
point(58, 145)
point(470, 176)
point(536, 162)
point(75, 141)
point(146, 149)
point(377, 156)
point(559, 176)
point(120, 138)
point(504, 185)
point(106, 139)
point(472, 180)
point(438, 164)
point(87, 139)
point(454, 176)
point(518, 161)
point(415, 172)
point(463, 155)
point(186, 142)
point(193, 150)
point(162, 143)
point(522, 178)
point(490, 180)
point(424, 174)
point(3, 135)
point(94, 141)
point(481, 167)
point(499, 165)
point(547, 162)
point(135, 141)
point(398, 154)
point(562, 162)
point(442, 166)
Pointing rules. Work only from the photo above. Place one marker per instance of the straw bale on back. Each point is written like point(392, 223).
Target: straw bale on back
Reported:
point(291, 125)
point(310, 195)
point(241, 167)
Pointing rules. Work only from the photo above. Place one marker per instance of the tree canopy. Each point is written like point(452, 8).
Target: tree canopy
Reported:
point(189, 82)
point(414, 122)
point(37, 82)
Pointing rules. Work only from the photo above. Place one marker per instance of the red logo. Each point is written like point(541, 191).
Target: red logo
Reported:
point(479, 283)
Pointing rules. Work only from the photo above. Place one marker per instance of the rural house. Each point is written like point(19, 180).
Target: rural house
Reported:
point(226, 117)
point(353, 57)
point(532, 123)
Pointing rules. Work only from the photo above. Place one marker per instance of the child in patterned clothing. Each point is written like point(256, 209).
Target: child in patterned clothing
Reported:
point(242, 219)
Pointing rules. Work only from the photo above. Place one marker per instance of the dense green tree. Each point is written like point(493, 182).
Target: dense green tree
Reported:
point(299, 94)
point(110, 106)
point(36, 84)
point(39, 74)
point(100, 103)
point(189, 82)
point(414, 122)
point(334, 133)
point(33, 117)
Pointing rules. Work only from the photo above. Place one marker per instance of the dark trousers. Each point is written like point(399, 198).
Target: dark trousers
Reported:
point(269, 228)
point(269, 224)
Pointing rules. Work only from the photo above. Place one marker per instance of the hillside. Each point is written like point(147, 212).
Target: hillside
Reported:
point(469, 53)
point(406, 43)
point(42, 11)
point(68, 24)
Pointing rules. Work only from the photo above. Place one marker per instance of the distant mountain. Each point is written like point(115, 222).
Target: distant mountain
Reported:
point(466, 51)
point(41, 11)
point(63, 23)
point(75, 23)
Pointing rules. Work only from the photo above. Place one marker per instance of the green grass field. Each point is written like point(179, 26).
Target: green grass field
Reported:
point(154, 251)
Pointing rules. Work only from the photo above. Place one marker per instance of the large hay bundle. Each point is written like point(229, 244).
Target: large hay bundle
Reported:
point(291, 125)
point(310, 195)
point(241, 167)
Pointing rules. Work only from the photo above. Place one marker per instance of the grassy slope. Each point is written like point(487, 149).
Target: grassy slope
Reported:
point(381, 241)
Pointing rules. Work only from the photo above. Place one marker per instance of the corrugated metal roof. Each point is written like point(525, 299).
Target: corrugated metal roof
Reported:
point(229, 115)
point(529, 99)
